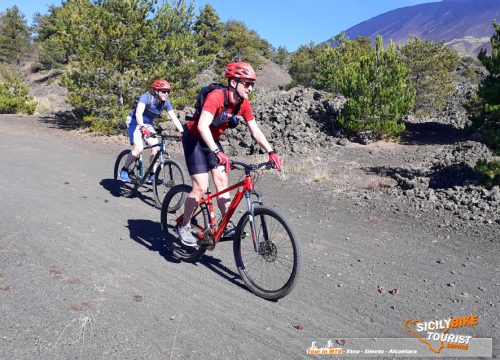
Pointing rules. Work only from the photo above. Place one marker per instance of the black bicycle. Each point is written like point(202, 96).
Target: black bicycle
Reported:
point(168, 172)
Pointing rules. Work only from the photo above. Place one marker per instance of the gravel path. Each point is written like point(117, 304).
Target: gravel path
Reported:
point(86, 275)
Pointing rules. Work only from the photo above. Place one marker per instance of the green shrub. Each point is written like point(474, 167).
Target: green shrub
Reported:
point(379, 93)
point(103, 126)
point(14, 96)
point(490, 172)
point(471, 60)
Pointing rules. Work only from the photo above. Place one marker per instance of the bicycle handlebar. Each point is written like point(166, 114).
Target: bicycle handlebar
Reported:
point(251, 167)
point(166, 136)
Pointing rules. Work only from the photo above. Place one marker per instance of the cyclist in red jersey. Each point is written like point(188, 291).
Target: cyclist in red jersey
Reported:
point(202, 149)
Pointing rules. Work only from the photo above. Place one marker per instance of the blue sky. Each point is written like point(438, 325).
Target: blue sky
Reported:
point(283, 23)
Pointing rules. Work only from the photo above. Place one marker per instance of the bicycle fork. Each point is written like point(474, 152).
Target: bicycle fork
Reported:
point(253, 229)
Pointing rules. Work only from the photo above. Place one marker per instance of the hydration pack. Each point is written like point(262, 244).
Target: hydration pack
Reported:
point(200, 100)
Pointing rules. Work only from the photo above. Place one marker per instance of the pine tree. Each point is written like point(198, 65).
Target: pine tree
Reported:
point(53, 52)
point(280, 55)
point(116, 48)
point(489, 90)
point(242, 44)
point(484, 109)
point(431, 68)
point(379, 93)
point(334, 61)
point(304, 64)
point(14, 36)
point(208, 29)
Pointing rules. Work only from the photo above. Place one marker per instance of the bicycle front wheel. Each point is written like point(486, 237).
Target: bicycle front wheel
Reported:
point(171, 219)
point(165, 178)
point(126, 189)
point(272, 271)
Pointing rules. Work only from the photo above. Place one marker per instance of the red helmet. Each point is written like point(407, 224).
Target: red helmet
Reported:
point(161, 85)
point(240, 70)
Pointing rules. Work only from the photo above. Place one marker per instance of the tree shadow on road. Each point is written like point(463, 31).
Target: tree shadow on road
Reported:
point(149, 234)
point(64, 120)
point(428, 133)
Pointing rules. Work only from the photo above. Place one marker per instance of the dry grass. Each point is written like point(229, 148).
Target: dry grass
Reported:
point(45, 105)
point(311, 170)
point(377, 183)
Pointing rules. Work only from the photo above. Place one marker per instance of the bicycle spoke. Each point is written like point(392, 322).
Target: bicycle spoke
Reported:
point(166, 177)
point(270, 272)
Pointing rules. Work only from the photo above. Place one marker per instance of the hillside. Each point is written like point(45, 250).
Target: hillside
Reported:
point(464, 25)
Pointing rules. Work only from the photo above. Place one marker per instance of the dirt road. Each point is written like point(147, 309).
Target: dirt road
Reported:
point(85, 274)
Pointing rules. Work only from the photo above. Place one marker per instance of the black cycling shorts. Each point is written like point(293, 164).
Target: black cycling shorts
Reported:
point(199, 158)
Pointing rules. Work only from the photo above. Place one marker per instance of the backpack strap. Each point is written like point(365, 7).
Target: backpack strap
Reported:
point(226, 100)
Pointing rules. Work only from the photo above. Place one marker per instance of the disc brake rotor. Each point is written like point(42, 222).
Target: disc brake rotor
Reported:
point(268, 251)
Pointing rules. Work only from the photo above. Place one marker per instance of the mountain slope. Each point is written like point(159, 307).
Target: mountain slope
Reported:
point(465, 25)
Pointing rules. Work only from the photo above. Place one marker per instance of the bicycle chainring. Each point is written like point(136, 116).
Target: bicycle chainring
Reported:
point(208, 240)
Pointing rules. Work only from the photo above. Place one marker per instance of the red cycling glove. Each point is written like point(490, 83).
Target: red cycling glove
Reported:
point(145, 132)
point(276, 159)
point(223, 159)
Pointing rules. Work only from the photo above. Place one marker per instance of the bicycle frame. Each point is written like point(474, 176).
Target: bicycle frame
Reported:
point(246, 189)
point(161, 154)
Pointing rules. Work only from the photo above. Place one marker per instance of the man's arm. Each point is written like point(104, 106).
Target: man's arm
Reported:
point(138, 113)
point(258, 136)
point(176, 121)
point(204, 122)
point(260, 139)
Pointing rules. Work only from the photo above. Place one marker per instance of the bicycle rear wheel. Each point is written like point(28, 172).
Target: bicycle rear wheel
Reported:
point(126, 189)
point(273, 271)
point(171, 218)
point(170, 175)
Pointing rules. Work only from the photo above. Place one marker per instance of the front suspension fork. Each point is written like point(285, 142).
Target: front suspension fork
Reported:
point(250, 205)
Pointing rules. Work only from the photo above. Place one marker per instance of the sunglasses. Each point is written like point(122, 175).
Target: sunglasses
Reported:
point(247, 84)
point(165, 91)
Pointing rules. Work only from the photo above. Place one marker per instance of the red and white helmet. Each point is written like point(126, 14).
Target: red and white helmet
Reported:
point(161, 85)
point(240, 70)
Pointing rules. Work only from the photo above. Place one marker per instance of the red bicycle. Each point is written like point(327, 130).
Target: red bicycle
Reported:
point(267, 251)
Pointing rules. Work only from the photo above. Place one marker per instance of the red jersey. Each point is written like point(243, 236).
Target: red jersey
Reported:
point(214, 104)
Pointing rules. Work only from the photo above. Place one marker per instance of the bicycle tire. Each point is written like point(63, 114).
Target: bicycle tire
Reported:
point(172, 174)
point(126, 189)
point(170, 218)
point(280, 257)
